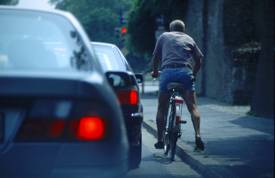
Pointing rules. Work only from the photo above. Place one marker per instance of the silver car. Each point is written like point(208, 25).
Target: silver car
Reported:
point(125, 84)
point(58, 115)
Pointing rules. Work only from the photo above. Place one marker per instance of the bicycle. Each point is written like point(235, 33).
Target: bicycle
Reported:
point(173, 120)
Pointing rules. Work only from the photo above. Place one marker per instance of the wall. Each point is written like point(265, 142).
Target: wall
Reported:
point(218, 57)
point(217, 67)
point(220, 27)
point(194, 27)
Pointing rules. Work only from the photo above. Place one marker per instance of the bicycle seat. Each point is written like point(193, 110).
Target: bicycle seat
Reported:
point(175, 85)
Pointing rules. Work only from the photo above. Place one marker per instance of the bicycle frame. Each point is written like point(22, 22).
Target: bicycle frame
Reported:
point(173, 123)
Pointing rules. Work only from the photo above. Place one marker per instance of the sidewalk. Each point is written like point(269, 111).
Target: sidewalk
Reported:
point(237, 145)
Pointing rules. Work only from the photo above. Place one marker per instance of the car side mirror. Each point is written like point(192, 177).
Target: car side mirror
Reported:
point(139, 78)
point(117, 79)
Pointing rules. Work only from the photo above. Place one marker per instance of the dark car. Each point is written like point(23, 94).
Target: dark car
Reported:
point(125, 85)
point(58, 114)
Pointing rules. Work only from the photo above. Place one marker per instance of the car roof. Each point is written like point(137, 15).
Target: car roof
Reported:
point(52, 11)
point(104, 44)
point(43, 10)
point(62, 13)
point(67, 15)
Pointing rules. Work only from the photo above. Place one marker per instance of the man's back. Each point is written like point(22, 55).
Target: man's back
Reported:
point(176, 48)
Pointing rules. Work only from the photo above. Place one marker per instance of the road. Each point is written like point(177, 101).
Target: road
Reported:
point(155, 165)
point(237, 145)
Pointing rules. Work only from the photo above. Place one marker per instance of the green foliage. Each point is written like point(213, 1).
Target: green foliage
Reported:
point(142, 25)
point(8, 2)
point(100, 24)
point(99, 17)
point(4, 1)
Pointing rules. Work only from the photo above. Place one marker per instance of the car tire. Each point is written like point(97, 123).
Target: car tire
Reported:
point(135, 155)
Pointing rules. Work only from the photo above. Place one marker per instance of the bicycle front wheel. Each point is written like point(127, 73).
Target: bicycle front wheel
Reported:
point(169, 140)
point(168, 129)
point(173, 145)
point(166, 143)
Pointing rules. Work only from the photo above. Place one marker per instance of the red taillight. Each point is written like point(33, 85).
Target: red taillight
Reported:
point(91, 128)
point(128, 97)
point(179, 100)
point(88, 128)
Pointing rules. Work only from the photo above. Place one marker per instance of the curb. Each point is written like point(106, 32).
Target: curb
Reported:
point(199, 161)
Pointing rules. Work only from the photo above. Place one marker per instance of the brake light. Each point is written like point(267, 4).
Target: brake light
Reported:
point(91, 128)
point(133, 97)
point(179, 100)
point(128, 96)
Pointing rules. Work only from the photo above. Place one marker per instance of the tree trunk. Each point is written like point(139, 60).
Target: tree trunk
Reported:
point(263, 98)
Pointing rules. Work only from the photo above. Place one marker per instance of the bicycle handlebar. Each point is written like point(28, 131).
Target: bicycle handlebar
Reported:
point(155, 75)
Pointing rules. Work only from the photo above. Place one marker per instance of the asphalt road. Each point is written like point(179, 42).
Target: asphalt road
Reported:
point(155, 165)
point(237, 145)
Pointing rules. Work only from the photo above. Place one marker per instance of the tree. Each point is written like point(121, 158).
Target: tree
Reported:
point(142, 21)
point(8, 2)
point(141, 27)
point(98, 17)
point(263, 98)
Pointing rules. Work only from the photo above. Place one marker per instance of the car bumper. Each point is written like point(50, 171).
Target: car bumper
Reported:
point(58, 160)
point(133, 126)
point(118, 169)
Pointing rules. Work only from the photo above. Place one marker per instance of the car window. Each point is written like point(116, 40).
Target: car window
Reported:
point(128, 67)
point(37, 41)
point(109, 58)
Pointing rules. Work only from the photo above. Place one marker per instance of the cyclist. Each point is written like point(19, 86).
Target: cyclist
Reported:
point(176, 51)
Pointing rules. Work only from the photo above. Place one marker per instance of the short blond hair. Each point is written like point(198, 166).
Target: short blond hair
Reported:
point(177, 25)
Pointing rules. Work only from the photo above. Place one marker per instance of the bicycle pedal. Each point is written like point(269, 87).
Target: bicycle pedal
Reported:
point(183, 122)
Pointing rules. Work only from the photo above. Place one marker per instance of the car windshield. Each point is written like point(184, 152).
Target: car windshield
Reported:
point(32, 40)
point(110, 58)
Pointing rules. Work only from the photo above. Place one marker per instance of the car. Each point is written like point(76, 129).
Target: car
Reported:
point(59, 116)
point(125, 84)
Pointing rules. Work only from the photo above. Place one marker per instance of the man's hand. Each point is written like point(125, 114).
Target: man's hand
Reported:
point(155, 74)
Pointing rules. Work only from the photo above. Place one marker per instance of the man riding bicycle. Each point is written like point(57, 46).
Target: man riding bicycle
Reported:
point(176, 51)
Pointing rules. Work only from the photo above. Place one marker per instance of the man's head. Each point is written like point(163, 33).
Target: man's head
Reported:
point(177, 25)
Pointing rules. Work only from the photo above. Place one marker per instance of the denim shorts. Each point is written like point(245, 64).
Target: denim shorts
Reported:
point(182, 75)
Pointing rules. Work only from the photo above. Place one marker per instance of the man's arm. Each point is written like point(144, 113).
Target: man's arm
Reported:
point(198, 59)
point(157, 57)
point(155, 64)
point(197, 66)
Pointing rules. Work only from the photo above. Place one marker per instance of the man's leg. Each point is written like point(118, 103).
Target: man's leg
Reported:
point(161, 113)
point(190, 99)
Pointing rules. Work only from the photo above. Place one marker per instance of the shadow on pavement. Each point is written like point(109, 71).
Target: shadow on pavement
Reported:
point(159, 176)
point(260, 124)
point(250, 156)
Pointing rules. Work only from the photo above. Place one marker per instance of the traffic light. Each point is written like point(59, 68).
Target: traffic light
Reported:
point(120, 35)
point(123, 30)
